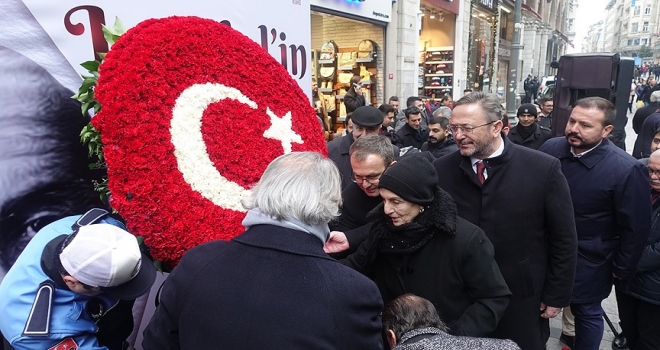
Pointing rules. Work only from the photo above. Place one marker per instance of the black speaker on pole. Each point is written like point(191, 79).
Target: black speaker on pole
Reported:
point(605, 75)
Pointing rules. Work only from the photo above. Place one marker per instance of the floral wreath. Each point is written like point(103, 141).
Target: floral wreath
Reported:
point(193, 112)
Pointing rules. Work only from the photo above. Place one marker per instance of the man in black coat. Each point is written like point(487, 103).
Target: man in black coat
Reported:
point(638, 121)
point(610, 195)
point(652, 87)
point(440, 142)
point(272, 286)
point(522, 201)
point(412, 133)
point(528, 132)
point(367, 120)
point(638, 299)
point(370, 156)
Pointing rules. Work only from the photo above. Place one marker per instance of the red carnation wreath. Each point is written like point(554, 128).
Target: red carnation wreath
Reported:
point(193, 112)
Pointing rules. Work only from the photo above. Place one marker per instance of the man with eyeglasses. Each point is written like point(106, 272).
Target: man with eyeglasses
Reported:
point(370, 156)
point(367, 120)
point(610, 194)
point(520, 198)
point(528, 132)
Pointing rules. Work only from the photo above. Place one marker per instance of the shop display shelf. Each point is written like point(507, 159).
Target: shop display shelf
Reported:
point(326, 61)
point(435, 87)
point(339, 97)
point(440, 75)
point(345, 67)
point(435, 62)
point(364, 60)
point(326, 90)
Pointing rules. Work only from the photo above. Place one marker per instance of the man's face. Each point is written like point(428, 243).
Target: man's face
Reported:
point(420, 105)
point(388, 120)
point(315, 87)
point(654, 172)
point(655, 144)
point(394, 104)
point(652, 82)
point(367, 173)
point(526, 120)
point(359, 131)
point(437, 133)
point(585, 129)
point(479, 142)
point(547, 107)
point(349, 126)
point(414, 121)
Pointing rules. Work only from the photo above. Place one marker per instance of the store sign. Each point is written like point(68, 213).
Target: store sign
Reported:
point(59, 35)
point(504, 50)
point(490, 5)
point(380, 10)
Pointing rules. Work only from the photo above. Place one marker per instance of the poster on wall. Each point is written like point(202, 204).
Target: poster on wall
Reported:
point(44, 173)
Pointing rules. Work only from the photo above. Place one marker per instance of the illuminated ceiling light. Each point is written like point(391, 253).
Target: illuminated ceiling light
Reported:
point(442, 16)
point(432, 16)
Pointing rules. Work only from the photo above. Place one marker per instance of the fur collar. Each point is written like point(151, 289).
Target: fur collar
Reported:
point(441, 215)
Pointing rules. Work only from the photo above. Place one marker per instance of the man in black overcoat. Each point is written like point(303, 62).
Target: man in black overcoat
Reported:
point(522, 201)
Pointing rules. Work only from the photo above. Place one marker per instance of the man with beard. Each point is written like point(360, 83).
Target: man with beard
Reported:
point(610, 195)
point(412, 134)
point(528, 133)
point(370, 156)
point(532, 227)
point(440, 142)
point(44, 173)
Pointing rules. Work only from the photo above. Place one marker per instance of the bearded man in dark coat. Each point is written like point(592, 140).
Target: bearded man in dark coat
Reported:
point(520, 198)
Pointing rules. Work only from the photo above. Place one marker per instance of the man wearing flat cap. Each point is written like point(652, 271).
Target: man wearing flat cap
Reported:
point(528, 132)
point(74, 285)
point(367, 120)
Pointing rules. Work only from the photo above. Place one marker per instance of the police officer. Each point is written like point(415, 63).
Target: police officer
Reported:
point(74, 285)
point(528, 132)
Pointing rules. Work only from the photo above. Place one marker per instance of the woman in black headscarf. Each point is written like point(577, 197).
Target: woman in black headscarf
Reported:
point(419, 245)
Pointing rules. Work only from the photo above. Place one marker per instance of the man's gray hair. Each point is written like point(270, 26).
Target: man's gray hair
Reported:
point(655, 96)
point(372, 144)
point(408, 312)
point(300, 185)
point(489, 102)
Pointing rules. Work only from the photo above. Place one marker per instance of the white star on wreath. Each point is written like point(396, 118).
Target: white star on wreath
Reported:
point(281, 130)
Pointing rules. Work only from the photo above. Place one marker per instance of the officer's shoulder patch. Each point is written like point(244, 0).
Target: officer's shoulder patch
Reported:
point(38, 322)
point(66, 344)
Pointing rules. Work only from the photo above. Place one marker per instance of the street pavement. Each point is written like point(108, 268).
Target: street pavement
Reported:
point(609, 304)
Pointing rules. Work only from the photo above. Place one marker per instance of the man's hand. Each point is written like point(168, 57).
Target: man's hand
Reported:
point(549, 311)
point(336, 243)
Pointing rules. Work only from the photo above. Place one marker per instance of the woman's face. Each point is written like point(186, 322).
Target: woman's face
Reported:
point(398, 209)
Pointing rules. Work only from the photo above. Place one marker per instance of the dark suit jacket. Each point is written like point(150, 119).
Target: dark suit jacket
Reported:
point(268, 288)
point(611, 197)
point(525, 209)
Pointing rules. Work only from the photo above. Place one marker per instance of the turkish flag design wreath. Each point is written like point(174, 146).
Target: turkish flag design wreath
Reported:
point(192, 113)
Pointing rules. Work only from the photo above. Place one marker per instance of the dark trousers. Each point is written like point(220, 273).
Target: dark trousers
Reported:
point(589, 325)
point(640, 321)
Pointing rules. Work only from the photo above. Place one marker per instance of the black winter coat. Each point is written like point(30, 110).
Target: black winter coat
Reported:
point(645, 285)
point(412, 137)
point(352, 101)
point(441, 148)
point(525, 209)
point(270, 287)
point(353, 218)
point(455, 269)
point(533, 141)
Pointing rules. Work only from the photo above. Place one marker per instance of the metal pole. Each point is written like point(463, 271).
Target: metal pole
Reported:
point(516, 47)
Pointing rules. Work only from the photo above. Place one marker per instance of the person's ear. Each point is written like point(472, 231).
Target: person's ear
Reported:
point(70, 281)
point(393, 162)
point(391, 338)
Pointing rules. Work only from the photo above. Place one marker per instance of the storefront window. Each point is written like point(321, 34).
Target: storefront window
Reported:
point(480, 50)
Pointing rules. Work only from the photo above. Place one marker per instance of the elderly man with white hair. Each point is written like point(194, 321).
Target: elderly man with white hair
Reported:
point(272, 286)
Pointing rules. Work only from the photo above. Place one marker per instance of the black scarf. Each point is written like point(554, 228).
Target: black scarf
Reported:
point(404, 239)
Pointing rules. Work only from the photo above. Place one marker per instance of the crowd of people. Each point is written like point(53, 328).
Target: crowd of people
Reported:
point(423, 229)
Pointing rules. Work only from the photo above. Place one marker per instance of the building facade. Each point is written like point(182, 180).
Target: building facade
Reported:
point(632, 28)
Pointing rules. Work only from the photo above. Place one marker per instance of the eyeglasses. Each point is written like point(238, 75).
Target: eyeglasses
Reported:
point(372, 180)
point(653, 172)
point(467, 129)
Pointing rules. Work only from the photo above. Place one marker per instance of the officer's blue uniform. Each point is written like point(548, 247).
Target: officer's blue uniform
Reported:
point(39, 314)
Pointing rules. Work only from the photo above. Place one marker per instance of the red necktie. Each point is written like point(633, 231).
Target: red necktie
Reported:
point(480, 171)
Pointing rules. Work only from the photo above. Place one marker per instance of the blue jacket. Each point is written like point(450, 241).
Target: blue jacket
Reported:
point(610, 193)
point(68, 318)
